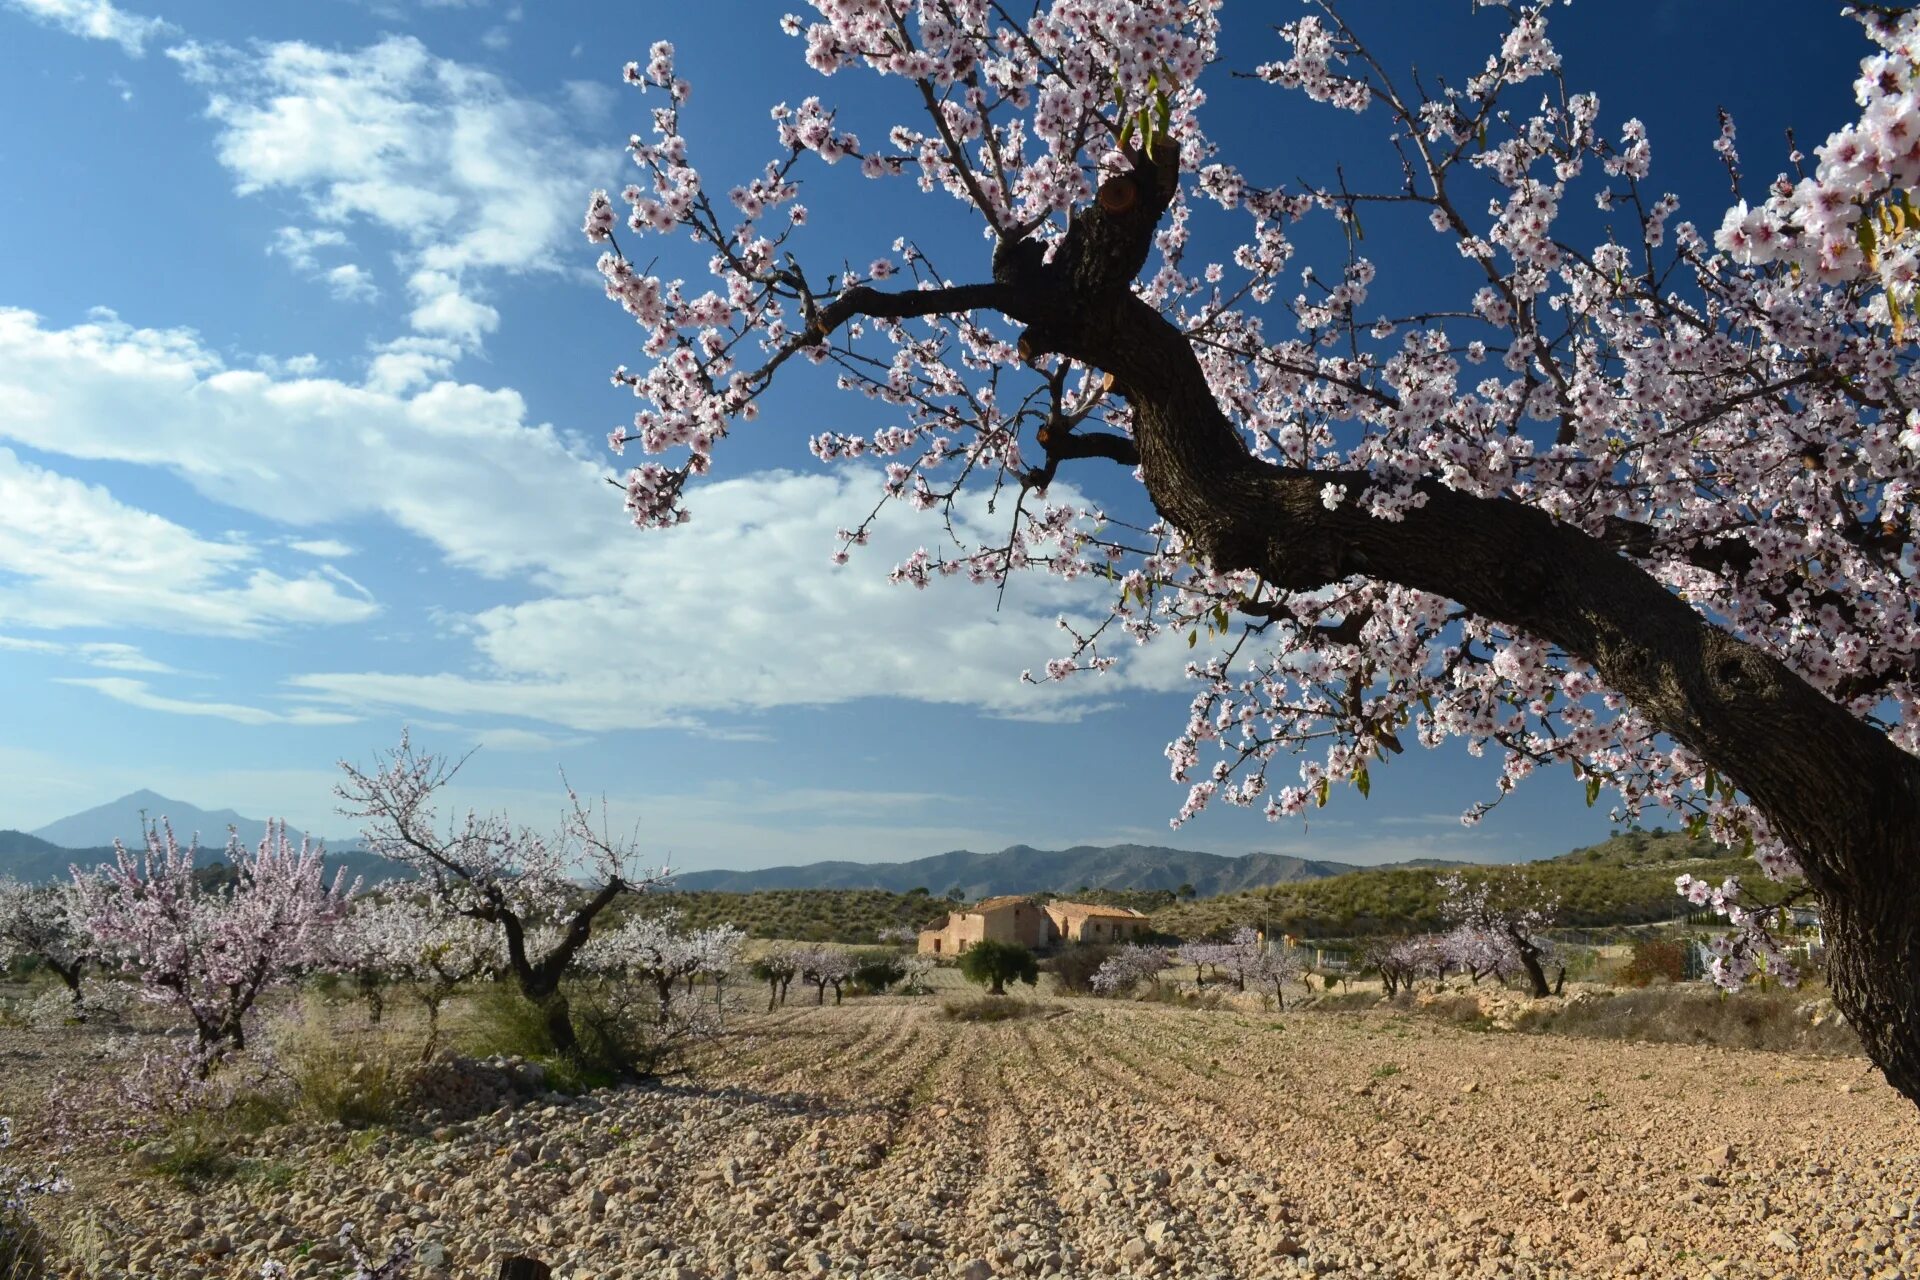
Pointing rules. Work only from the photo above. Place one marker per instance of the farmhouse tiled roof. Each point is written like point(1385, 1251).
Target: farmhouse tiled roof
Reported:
point(1081, 910)
point(994, 904)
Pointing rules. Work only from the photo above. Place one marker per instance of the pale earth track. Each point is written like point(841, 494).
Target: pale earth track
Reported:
point(878, 1139)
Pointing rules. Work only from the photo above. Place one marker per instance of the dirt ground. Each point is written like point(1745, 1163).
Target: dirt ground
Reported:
point(1094, 1138)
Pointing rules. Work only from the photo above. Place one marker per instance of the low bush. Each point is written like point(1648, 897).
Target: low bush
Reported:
point(192, 1154)
point(1186, 997)
point(356, 1080)
point(621, 1031)
point(988, 1009)
point(875, 970)
point(1074, 966)
point(1783, 1022)
point(1654, 959)
point(502, 1021)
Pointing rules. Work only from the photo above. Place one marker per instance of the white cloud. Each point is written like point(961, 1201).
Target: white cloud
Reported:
point(523, 740)
point(456, 464)
point(739, 612)
point(350, 283)
point(702, 626)
point(301, 247)
point(73, 555)
point(326, 548)
point(473, 177)
point(135, 693)
point(95, 20)
point(110, 655)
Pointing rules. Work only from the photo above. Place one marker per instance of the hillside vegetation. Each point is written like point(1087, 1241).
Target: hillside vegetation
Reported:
point(1625, 880)
point(805, 915)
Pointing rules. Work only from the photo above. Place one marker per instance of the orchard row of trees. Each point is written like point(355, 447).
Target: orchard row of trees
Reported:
point(488, 900)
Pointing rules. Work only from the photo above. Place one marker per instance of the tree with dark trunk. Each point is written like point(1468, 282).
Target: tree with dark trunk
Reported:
point(1664, 538)
point(777, 969)
point(40, 923)
point(995, 964)
point(488, 870)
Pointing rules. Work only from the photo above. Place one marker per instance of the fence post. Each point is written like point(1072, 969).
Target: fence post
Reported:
point(519, 1268)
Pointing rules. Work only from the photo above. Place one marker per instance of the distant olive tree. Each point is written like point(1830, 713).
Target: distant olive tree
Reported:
point(995, 964)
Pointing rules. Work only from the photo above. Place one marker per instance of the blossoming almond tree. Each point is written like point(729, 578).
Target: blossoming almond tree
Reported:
point(1641, 507)
point(42, 922)
point(487, 869)
point(1498, 919)
point(210, 953)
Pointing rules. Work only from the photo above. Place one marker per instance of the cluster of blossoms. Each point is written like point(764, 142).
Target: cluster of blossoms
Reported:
point(659, 951)
point(1751, 947)
point(1499, 924)
point(48, 924)
point(823, 967)
point(1401, 962)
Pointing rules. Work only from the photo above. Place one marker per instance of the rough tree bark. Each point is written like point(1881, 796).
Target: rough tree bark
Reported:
point(1846, 799)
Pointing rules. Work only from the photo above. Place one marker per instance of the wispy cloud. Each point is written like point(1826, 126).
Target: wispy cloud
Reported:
point(95, 20)
point(72, 555)
point(136, 693)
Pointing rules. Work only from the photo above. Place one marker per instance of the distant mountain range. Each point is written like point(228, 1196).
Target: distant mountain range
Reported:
point(86, 839)
point(1025, 869)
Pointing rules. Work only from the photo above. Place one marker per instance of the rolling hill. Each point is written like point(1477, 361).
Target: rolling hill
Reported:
point(1024, 869)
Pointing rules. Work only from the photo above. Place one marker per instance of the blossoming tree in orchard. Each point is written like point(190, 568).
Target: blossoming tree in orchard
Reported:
point(1120, 973)
point(1636, 501)
point(210, 953)
point(541, 894)
point(42, 922)
point(659, 951)
point(410, 939)
point(1498, 919)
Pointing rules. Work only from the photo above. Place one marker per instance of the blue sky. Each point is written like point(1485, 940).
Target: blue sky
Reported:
point(302, 404)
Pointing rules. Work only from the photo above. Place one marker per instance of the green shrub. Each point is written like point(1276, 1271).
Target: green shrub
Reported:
point(1073, 968)
point(876, 970)
point(995, 964)
point(621, 1035)
point(987, 1009)
point(501, 1020)
point(192, 1153)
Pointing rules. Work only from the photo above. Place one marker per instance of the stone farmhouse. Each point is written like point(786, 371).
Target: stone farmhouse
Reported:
point(1039, 928)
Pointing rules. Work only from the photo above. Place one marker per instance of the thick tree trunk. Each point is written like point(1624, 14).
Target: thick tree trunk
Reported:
point(69, 974)
point(1536, 976)
point(558, 1020)
point(998, 988)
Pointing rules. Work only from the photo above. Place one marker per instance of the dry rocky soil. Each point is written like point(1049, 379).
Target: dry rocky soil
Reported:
point(1093, 1139)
